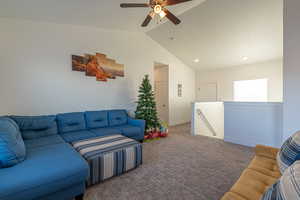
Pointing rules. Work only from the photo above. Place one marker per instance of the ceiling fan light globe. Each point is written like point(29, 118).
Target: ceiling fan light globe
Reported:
point(157, 9)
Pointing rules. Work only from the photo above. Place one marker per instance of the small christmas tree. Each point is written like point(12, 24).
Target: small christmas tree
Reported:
point(146, 106)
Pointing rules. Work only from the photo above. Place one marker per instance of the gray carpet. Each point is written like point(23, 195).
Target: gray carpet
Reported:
point(179, 167)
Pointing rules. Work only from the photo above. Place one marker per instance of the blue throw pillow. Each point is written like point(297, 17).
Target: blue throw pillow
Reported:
point(289, 152)
point(287, 187)
point(12, 148)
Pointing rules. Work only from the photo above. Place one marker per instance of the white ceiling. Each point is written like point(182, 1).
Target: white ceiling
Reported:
point(217, 32)
point(98, 13)
point(220, 33)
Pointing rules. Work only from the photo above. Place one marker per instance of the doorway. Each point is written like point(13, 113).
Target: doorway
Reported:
point(161, 90)
point(207, 92)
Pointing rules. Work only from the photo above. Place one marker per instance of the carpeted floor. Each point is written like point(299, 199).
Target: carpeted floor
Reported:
point(180, 167)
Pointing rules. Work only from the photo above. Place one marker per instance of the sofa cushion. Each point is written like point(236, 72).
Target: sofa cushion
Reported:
point(96, 119)
point(129, 130)
point(232, 196)
point(266, 166)
point(252, 184)
point(12, 148)
point(105, 131)
point(266, 151)
point(43, 141)
point(289, 152)
point(287, 187)
point(70, 122)
point(77, 135)
point(117, 117)
point(35, 127)
point(45, 171)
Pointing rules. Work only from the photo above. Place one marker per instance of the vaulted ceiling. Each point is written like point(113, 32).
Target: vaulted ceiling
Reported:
point(219, 33)
point(98, 13)
point(225, 33)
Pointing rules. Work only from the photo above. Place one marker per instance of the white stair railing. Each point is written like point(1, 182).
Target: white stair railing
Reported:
point(209, 126)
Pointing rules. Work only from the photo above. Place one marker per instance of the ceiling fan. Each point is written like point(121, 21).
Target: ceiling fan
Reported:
point(158, 7)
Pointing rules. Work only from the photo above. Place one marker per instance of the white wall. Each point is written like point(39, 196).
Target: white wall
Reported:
point(36, 76)
point(291, 68)
point(208, 119)
point(225, 77)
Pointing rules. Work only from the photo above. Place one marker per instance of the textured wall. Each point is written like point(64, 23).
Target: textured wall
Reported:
point(36, 76)
point(225, 77)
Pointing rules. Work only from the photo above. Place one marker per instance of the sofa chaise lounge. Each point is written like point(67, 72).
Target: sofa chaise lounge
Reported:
point(52, 168)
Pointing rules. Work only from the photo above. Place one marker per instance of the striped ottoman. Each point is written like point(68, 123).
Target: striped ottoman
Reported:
point(109, 156)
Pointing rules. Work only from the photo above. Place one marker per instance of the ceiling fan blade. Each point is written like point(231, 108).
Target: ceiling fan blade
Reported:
point(172, 17)
point(134, 5)
point(173, 2)
point(148, 19)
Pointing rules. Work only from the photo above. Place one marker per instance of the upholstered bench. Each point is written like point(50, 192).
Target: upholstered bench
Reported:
point(109, 156)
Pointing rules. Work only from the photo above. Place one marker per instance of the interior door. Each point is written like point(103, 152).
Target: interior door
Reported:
point(162, 100)
point(207, 92)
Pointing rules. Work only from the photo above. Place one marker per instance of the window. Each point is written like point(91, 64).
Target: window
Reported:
point(251, 90)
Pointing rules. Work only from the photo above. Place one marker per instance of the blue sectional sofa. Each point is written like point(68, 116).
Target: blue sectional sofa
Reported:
point(52, 169)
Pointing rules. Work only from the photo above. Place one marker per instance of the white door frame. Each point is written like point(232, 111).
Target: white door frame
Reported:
point(159, 79)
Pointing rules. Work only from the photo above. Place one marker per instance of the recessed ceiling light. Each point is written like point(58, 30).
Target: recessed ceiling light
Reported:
point(196, 60)
point(245, 58)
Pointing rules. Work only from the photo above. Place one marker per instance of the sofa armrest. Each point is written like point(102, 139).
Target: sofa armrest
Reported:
point(266, 151)
point(140, 123)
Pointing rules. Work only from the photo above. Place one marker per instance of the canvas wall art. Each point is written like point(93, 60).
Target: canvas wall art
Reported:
point(97, 65)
